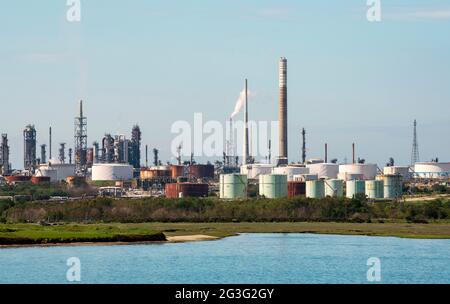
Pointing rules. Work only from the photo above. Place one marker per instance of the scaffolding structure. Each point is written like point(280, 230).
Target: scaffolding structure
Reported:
point(81, 143)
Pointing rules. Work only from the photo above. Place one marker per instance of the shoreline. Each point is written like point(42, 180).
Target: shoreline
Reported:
point(169, 233)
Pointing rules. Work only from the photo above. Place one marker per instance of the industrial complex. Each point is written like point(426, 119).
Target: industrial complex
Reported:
point(113, 164)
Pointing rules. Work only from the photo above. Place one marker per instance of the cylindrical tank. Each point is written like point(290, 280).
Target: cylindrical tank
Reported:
point(18, 179)
point(296, 188)
point(305, 177)
point(111, 172)
point(36, 180)
point(273, 186)
point(180, 190)
point(315, 189)
point(253, 171)
point(432, 170)
point(403, 171)
point(368, 171)
point(334, 188)
point(374, 189)
point(350, 176)
point(324, 170)
point(48, 172)
point(201, 171)
point(393, 186)
point(354, 187)
point(233, 186)
point(290, 171)
point(177, 171)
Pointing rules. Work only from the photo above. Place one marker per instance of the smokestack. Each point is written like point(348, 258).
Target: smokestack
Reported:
point(146, 156)
point(50, 144)
point(353, 152)
point(282, 113)
point(304, 146)
point(246, 139)
point(326, 153)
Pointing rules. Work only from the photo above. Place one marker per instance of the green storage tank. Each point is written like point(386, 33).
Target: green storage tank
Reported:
point(374, 189)
point(315, 189)
point(393, 186)
point(334, 188)
point(354, 187)
point(233, 186)
point(273, 186)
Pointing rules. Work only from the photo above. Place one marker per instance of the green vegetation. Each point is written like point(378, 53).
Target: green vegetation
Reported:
point(35, 192)
point(299, 209)
point(38, 234)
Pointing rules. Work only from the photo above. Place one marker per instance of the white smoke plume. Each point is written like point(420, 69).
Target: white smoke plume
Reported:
point(241, 102)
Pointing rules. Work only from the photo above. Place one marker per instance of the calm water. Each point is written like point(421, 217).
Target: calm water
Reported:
point(248, 258)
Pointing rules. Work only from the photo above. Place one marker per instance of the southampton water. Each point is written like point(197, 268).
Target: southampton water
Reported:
point(248, 258)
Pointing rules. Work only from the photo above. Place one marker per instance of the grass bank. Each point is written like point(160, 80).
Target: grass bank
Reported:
point(33, 234)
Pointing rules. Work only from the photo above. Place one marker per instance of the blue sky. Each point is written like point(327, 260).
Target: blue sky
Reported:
point(155, 62)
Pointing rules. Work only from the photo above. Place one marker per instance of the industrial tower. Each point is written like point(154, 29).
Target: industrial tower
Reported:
point(415, 158)
point(282, 113)
point(29, 147)
point(4, 156)
point(135, 147)
point(81, 143)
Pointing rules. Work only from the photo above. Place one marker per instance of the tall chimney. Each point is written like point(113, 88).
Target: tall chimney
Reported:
point(50, 144)
point(282, 113)
point(246, 139)
point(353, 152)
point(304, 146)
point(326, 153)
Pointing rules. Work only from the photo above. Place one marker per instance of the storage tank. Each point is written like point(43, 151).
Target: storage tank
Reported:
point(201, 171)
point(368, 171)
point(233, 186)
point(290, 171)
point(156, 172)
point(48, 172)
point(355, 187)
point(393, 186)
point(37, 180)
point(334, 188)
point(315, 189)
point(62, 170)
point(324, 170)
point(393, 170)
point(305, 177)
point(296, 189)
point(180, 190)
point(177, 171)
point(111, 172)
point(253, 171)
point(432, 170)
point(273, 186)
point(350, 176)
point(374, 189)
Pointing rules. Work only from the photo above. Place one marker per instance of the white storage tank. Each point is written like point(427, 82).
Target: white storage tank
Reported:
point(233, 186)
point(290, 171)
point(273, 186)
point(112, 172)
point(368, 171)
point(400, 170)
point(315, 189)
point(432, 170)
point(62, 171)
point(334, 188)
point(350, 176)
point(324, 170)
point(48, 172)
point(305, 177)
point(253, 171)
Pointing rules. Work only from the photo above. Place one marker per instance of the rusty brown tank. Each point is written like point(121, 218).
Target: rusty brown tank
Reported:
point(177, 171)
point(155, 173)
point(186, 190)
point(18, 179)
point(36, 180)
point(296, 189)
point(201, 171)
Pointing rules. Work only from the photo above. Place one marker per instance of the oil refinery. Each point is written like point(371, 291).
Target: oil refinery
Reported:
point(113, 164)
